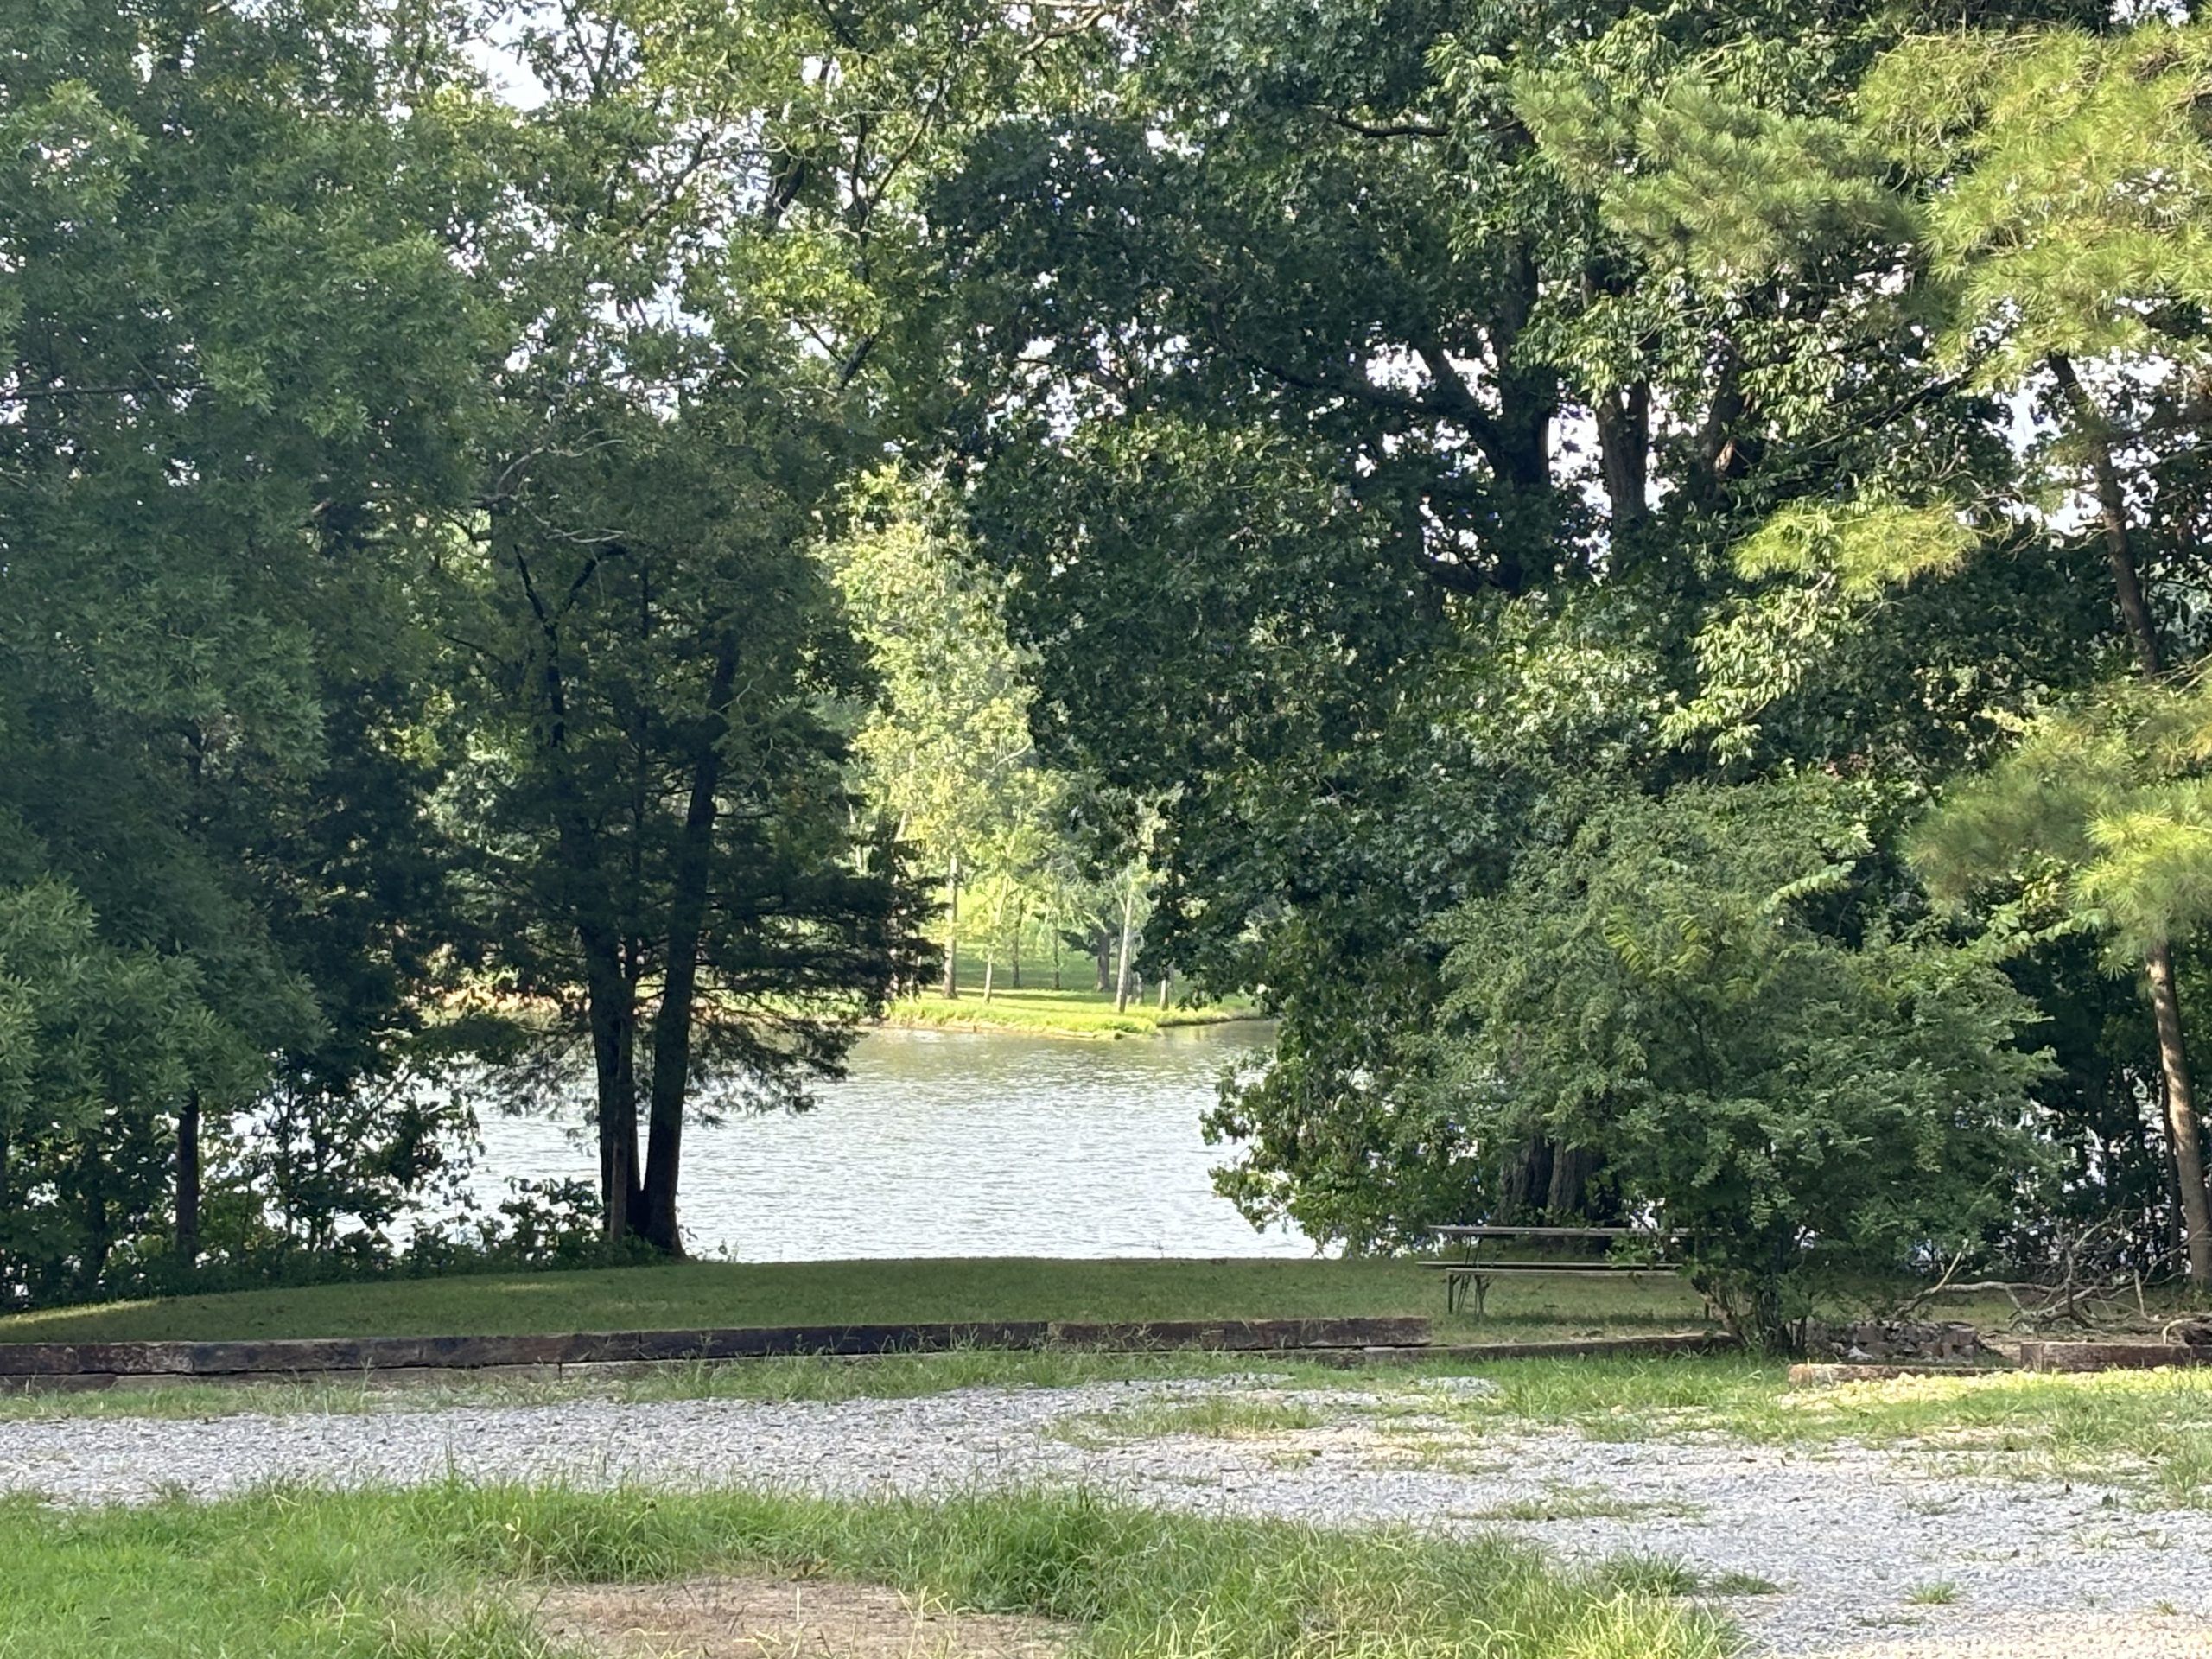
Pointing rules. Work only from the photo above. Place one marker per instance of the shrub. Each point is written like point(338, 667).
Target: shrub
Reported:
point(1798, 1101)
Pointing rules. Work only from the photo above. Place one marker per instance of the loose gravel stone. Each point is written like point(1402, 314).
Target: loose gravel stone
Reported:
point(1848, 1534)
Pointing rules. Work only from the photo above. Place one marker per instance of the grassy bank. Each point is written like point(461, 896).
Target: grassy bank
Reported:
point(689, 1296)
point(1075, 1010)
point(467, 1571)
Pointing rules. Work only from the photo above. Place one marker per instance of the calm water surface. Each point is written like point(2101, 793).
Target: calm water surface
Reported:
point(957, 1143)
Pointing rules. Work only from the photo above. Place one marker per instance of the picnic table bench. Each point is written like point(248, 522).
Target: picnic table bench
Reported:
point(1474, 1270)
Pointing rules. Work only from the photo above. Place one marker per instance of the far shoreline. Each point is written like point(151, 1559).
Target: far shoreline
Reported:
point(1083, 1016)
point(994, 1027)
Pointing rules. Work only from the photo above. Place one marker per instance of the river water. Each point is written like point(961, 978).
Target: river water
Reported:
point(957, 1143)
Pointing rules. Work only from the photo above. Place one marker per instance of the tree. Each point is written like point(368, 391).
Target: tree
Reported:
point(2071, 231)
point(1362, 482)
point(659, 672)
point(234, 352)
point(2039, 198)
point(668, 833)
point(2100, 820)
point(946, 752)
point(1795, 1104)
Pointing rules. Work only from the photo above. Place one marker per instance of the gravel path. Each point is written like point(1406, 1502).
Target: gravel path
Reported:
point(1848, 1534)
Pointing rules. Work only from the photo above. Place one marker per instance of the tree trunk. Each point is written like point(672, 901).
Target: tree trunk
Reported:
point(2111, 515)
point(1101, 953)
point(687, 918)
point(1122, 973)
point(187, 1180)
point(2182, 1130)
point(1014, 949)
point(610, 994)
point(2180, 1120)
point(1167, 985)
point(1623, 422)
point(1525, 1183)
point(1568, 1193)
point(611, 1008)
point(951, 987)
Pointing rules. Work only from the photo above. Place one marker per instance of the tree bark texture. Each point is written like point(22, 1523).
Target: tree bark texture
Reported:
point(2112, 517)
point(687, 917)
point(2182, 1128)
point(951, 986)
point(187, 1180)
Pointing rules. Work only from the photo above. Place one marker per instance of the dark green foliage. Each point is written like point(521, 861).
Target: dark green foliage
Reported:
point(663, 807)
point(1799, 1106)
point(1379, 394)
point(1374, 420)
point(232, 354)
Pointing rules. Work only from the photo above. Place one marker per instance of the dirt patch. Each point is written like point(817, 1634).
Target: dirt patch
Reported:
point(783, 1618)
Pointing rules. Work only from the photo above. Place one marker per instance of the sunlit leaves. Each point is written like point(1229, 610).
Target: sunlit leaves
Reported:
point(2103, 814)
point(1863, 547)
point(2073, 200)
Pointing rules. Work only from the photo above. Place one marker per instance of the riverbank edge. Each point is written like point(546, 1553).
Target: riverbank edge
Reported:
point(981, 1021)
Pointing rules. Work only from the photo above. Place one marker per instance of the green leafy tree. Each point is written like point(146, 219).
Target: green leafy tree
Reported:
point(668, 832)
point(1364, 476)
point(2037, 200)
point(2100, 822)
point(654, 662)
point(1795, 1104)
point(234, 347)
point(947, 752)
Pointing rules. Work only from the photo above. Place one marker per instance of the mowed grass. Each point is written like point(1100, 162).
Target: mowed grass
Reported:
point(698, 1295)
point(1075, 1010)
point(452, 1570)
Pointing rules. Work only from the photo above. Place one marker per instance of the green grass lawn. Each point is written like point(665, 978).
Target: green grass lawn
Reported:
point(1075, 1010)
point(691, 1296)
point(454, 1572)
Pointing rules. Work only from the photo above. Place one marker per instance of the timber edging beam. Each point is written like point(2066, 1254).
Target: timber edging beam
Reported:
point(2140, 1355)
point(23, 1362)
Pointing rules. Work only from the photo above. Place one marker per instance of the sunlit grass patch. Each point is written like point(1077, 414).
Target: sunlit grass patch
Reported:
point(1213, 1416)
point(1561, 1502)
point(1075, 1009)
point(2152, 1428)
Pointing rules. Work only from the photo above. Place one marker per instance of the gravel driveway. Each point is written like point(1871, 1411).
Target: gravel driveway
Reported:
point(1857, 1541)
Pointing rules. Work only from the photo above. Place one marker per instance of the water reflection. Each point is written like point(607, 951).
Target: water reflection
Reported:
point(955, 1143)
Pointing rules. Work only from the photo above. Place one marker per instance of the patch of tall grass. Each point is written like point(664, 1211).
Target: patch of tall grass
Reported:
point(448, 1570)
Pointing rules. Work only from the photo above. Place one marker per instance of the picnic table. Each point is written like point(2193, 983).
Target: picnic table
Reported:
point(1481, 1263)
